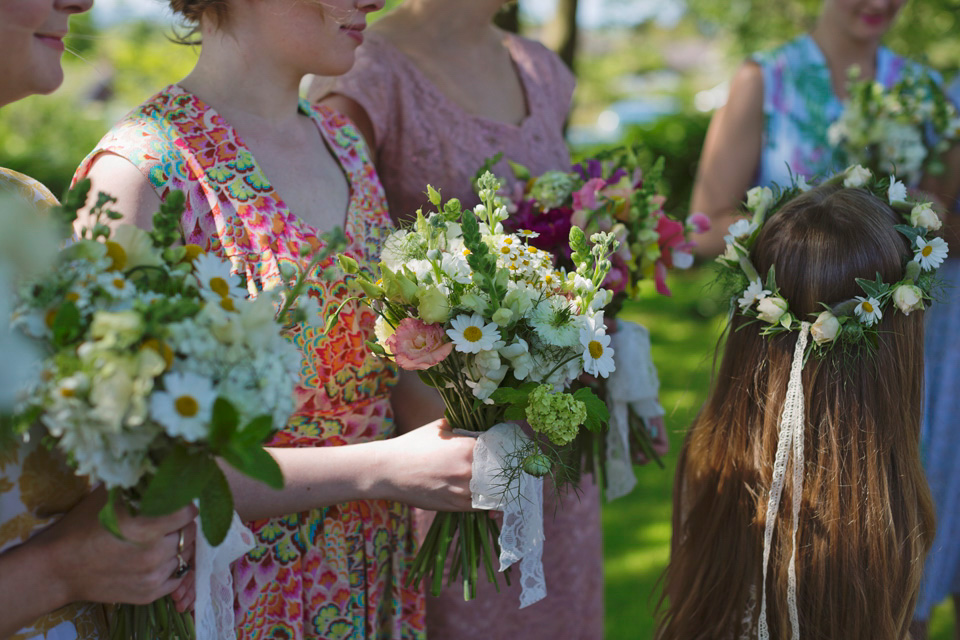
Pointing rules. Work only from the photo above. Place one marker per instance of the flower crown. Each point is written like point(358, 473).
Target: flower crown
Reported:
point(853, 321)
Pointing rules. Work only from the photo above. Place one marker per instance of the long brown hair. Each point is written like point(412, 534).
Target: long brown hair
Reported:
point(866, 520)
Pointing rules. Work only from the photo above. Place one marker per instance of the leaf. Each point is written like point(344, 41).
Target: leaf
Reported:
point(515, 413)
point(597, 413)
point(216, 508)
point(223, 423)
point(66, 324)
point(912, 233)
point(517, 396)
point(255, 462)
point(179, 479)
point(256, 432)
point(772, 279)
point(108, 515)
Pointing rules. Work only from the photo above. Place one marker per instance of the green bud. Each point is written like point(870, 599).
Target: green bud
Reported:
point(434, 196)
point(537, 465)
point(369, 288)
point(348, 264)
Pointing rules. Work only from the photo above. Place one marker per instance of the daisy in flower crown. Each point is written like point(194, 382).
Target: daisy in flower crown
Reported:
point(804, 461)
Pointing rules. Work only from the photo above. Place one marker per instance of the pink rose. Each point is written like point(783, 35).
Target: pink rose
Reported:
point(416, 345)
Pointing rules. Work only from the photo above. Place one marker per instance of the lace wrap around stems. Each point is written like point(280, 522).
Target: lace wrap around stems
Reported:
point(520, 496)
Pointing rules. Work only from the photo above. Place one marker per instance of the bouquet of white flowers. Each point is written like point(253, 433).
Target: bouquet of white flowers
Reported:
point(901, 130)
point(489, 321)
point(157, 363)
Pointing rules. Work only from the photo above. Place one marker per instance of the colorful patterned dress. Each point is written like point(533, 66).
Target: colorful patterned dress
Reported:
point(799, 105)
point(36, 486)
point(333, 572)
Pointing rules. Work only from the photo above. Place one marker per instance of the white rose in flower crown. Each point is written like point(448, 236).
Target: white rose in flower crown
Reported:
point(759, 199)
point(923, 215)
point(908, 298)
point(825, 329)
point(857, 176)
point(771, 309)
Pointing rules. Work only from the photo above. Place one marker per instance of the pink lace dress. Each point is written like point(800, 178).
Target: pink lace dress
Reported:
point(424, 137)
point(333, 572)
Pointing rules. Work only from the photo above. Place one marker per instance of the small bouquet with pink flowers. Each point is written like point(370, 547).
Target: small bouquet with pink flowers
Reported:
point(489, 320)
point(612, 193)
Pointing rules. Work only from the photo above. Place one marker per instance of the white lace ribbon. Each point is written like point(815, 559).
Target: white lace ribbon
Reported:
point(214, 604)
point(633, 385)
point(520, 497)
point(790, 435)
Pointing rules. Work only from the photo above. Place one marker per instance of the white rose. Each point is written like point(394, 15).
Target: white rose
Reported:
point(759, 199)
point(771, 309)
point(857, 176)
point(825, 329)
point(924, 216)
point(908, 298)
point(120, 328)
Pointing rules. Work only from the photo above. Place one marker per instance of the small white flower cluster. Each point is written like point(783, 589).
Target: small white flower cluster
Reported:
point(890, 128)
point(762, 299)
point(122, 379)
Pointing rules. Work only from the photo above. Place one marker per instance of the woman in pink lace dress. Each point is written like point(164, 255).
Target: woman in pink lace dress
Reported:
point(436, 90)
point(265, 175)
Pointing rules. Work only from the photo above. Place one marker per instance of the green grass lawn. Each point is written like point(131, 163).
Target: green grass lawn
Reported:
point(684, 331)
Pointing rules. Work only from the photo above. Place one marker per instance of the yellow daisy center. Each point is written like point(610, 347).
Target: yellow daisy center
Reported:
point(472, 334)
point(73, 296)
point(186, 406)
point(67, 392)
point(466, 252)
point(219, 286)
point(505, 250)
point(532, 249)
point(118, 257)
point(508, 241)
point(595, 349)
point(193, 251)
point(926, 251)
point(227, 305)
point(118, 283)
point(548, 279)
point(867, 307)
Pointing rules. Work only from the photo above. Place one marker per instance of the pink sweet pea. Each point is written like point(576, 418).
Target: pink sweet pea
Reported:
point(416, 345)
point(699, 221)
point(586, 196)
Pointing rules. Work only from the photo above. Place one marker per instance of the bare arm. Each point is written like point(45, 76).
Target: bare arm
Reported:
point(731, 154)
point(428, 468)
point(414, 402)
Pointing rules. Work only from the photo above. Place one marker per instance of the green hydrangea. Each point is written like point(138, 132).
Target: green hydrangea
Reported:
point(557, 415)
point(553, 188)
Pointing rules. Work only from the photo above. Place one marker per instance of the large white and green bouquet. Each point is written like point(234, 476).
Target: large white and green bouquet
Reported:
point(902, 130)
point(491, 323)
point(156, 364)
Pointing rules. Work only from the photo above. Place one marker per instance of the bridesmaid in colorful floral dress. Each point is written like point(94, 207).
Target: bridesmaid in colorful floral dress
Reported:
point(437, 90)
point(57, 562)
point(781, 104)
point(335, 546)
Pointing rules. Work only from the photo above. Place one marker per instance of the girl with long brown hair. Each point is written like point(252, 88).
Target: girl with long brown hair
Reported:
point(847, 538)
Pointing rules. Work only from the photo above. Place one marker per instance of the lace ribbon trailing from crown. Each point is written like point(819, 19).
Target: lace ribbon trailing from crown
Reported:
point(633, 385)
point(790, 436)
point(520, 497)
point(214, 603)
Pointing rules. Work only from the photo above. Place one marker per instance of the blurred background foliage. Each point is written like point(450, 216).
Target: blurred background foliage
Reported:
point(652, 80)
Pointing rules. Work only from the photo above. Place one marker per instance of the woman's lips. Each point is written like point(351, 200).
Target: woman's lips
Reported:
point(355, 31)
point(873, 19)
point(53, 41)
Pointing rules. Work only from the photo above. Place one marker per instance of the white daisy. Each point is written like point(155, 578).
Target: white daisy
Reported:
point(597, 352)
point(555, 322)
point(739, 229)
point(526, 233)
point(116, 286)
point(868, 311)
point(470, 334)
point(752, 293)
point(214, 278)
point(930, 254)
point(897, 192)
point(184, 409)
